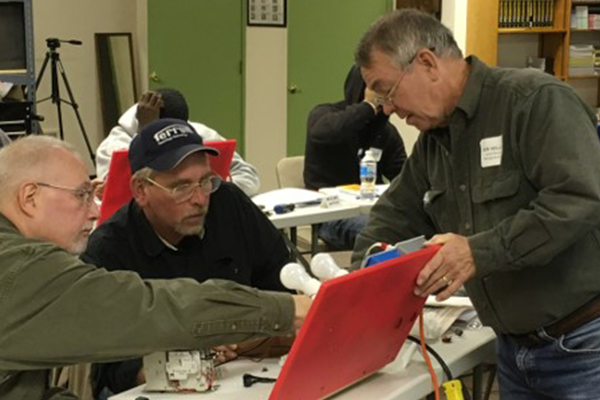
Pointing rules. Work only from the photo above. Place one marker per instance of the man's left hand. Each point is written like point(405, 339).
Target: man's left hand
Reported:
point(225, 353)
point(449, 269)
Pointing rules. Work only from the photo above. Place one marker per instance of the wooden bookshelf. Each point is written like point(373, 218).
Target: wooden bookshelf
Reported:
point(576, 77)
point(525, 31)
point(586, 3)
point(484, 34)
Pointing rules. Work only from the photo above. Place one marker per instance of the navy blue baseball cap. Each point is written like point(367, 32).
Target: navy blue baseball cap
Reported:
point(164, 143)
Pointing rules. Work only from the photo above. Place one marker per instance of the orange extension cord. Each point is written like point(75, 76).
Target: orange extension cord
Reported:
point(427, 359)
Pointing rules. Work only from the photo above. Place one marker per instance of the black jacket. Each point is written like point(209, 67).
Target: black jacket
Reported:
point(240, 244)
point(339, 133)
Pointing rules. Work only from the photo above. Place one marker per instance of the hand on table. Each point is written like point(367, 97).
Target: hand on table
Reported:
point(225, 353)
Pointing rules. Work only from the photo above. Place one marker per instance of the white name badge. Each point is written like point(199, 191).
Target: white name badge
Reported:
point(491, 152)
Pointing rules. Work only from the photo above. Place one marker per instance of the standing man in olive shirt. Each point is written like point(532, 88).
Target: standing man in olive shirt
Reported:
point(506, 176)
point(56, 310)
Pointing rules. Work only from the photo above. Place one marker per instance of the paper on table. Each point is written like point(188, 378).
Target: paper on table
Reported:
point(454, 301)
point(286, 196)
point(437, 320)
point(352, 190)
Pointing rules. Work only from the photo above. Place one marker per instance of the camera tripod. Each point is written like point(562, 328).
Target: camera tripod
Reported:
point(56, 67)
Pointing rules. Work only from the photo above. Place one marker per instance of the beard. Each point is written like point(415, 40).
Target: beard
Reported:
point(78, 245)
point(186, 229)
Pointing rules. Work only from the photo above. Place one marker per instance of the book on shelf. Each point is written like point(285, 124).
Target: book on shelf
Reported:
point(582, 59)
point(526, 13)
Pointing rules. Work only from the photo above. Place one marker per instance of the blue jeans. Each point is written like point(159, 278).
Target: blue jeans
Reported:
point(341, 235)
point(564, 368)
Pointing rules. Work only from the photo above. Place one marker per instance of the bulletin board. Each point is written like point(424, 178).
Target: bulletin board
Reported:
point(269, 13)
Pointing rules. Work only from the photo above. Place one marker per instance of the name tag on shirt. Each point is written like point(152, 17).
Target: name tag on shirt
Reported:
point(491, 151)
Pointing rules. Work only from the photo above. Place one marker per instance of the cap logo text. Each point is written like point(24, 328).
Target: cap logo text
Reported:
point(172, 132)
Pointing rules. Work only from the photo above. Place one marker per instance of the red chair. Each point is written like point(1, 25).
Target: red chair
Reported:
point(221, 164)
point(117, 192)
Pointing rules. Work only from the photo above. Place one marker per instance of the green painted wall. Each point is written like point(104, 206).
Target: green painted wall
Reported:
point(196, 46)
point(322, 36)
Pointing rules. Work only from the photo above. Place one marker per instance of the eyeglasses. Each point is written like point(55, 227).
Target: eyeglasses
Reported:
point(389, 97)
point(85, 196)
point(183, 193)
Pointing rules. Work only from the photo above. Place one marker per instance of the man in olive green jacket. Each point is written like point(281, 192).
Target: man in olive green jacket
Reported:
point(506, 175)
point(56, 310)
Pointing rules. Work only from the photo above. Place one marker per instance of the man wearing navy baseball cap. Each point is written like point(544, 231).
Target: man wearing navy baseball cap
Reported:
point(183, 222)
point(162, 145)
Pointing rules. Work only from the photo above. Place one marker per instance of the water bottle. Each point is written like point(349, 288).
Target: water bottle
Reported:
point(368, 175)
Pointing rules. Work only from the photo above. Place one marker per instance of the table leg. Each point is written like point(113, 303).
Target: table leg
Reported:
point(314, 240)
point(294, 235)
point(478, 382)
point(295, 252)
point(490, 381)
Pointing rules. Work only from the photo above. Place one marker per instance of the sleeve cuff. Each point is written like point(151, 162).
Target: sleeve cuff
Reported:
point(487, 253)
point(280, 318)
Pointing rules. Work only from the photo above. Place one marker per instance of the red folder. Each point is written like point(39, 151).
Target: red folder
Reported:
point(356, 325)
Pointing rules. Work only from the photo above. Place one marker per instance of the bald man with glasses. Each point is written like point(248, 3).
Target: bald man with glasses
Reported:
point(183, 222)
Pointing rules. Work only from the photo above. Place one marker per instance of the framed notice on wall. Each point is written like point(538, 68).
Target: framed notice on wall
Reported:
point(267, 13)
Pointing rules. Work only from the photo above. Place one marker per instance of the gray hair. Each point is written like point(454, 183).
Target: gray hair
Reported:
point(401, 34)
point(143, 174)
point(26, 160)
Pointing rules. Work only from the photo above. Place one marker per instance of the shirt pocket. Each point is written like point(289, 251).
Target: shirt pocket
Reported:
point(433, 204)
point(495, 197)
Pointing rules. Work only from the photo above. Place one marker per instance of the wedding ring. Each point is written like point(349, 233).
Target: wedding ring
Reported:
point(446, 280)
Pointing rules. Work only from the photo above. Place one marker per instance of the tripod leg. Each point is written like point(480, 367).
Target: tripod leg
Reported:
point(55, 94)
point(60, 120)
point(76, 109)
point(42, 70)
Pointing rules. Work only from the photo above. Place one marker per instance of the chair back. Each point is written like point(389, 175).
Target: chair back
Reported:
point(290, 172)
point(221, 164)
point(116, 190)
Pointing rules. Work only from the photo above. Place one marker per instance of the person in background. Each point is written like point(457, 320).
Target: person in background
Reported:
point(337, 137)
point(506, 178)
point(182, 222)
point(167, 103)
point(58, 310)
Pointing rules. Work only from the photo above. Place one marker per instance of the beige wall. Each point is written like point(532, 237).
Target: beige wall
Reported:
point(78, 19)
point(266, 101)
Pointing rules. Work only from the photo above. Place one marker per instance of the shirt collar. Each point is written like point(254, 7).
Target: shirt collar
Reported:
point(153, 245)
point(469, 100)
point(7, 224)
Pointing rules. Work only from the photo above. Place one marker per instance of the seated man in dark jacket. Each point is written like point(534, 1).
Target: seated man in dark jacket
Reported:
point(182, 222)
point(337, 138)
